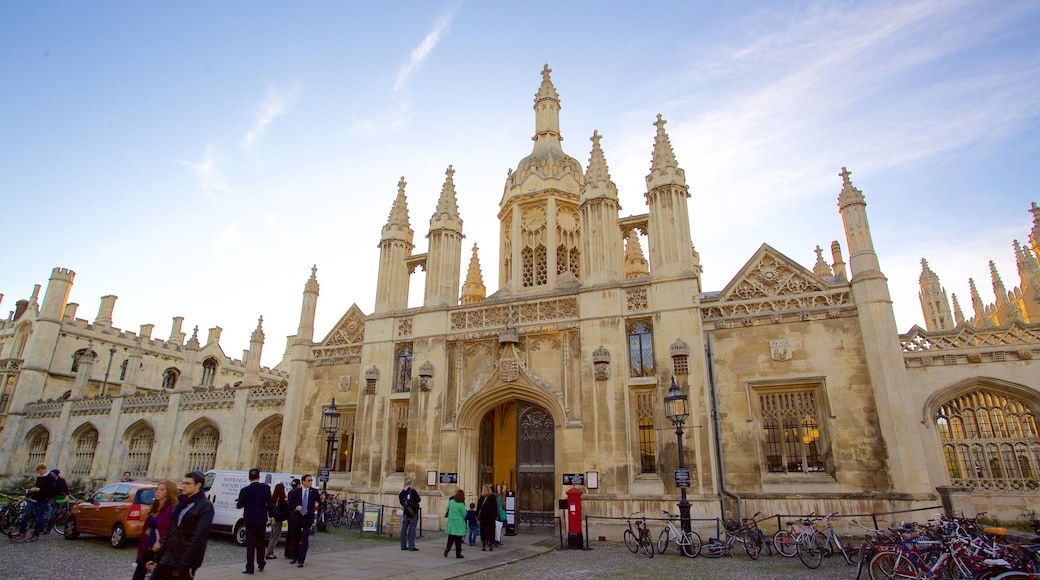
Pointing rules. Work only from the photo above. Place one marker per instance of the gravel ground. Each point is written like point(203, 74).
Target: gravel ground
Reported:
point(55, 558)
point(612, 559)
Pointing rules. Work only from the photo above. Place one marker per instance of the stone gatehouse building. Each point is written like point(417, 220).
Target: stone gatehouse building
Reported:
point(803, 394)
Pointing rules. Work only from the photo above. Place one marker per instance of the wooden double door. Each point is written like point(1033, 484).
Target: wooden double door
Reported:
point(517, 448)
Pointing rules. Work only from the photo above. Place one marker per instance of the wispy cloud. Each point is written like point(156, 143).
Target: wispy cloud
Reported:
point(276, 104)
point(207, 172)
point(421, 52)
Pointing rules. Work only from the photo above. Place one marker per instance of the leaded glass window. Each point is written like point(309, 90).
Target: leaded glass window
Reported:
point(791, 435)
point(403, 369)
point(640, 349)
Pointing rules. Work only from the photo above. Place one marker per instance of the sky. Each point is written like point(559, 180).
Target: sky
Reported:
point(196, 159)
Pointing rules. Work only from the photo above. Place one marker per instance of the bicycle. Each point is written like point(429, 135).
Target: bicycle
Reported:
point(60, 516)
point(734, 532)
point(784, 540)
point(353, 514)
point(810, 544)
point(765, 543)
point(11, 517)
point(688, 543)
point(638, 537)
point(827, 542)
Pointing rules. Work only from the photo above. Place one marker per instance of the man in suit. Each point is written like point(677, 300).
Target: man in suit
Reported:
point(255, 502)
point(186, 541)
point(303, 503)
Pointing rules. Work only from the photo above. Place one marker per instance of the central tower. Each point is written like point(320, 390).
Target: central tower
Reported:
point(540, 248)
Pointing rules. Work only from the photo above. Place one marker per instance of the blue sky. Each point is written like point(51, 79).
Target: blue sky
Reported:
point(195, 159)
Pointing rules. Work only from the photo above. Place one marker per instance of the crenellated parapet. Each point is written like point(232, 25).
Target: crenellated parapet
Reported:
point(967, 344)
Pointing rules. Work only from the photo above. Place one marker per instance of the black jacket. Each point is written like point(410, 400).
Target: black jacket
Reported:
point(186, 541)
point(45, 491)
point(255, 500)
point(296, 499)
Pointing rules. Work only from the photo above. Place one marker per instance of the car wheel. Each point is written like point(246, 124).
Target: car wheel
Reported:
point(240, 533)
point(118, 538)
point(71, 529)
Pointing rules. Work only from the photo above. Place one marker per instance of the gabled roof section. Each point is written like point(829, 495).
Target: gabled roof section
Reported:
point(349, 330)
point(770, 274)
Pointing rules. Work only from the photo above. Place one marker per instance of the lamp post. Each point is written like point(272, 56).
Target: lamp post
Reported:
point(677, 410)
point(330, 425)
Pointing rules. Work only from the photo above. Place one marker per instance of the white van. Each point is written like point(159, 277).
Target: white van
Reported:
point(222, 487)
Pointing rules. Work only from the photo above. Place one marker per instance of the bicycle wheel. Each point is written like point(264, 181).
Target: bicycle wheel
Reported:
point(765, 543)
point(59, 522)
point(648, 545)
point(752, 547)
point(866, 553)
point(631, 542)
point(785, 544)
point(690, 546)
point(336, 518)
point(662, 541)
point(887, 565)
point(810, 551)
point(713, 549)
point(845, 552)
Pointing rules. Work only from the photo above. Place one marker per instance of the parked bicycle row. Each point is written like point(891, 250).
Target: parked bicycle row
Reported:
point(949, 548)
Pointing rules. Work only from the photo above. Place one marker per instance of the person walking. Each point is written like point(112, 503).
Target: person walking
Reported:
point(303, 503)
point(472, 523)
point(280, 513)
point(487, 514)
point(456, 526)
point(61, 491)
point(255, 502)
point(156, 526)
point(290, 535)
point(192, 519)
point(37, 503)
point(410, 500)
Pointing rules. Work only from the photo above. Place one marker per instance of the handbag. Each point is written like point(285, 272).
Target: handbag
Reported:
point(409, 510)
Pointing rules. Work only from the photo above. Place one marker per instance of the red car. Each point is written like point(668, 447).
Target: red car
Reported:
point(117, 511)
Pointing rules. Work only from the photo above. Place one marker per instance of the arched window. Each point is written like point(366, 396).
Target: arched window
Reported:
point(202, 444)
point(403, 369)
point(169, 378)
point(268, 441)
point(84, 444)
point(647, 432)
point(640, 349)
point(989, 442)
point(36, 443)
point(209, 372)
point(139, 442)
point(21, 336)
point(122, 369)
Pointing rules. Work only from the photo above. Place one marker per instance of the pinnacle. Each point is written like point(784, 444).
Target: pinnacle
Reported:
point(664, 169)
point(546, 90)
point(597, 176)
point(448, 203)
point(398, 219)
point(849, 193)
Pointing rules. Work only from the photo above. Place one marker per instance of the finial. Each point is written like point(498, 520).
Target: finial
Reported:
point(260, 322)
point(450, 172)
point(819, 252)
point(545, 72)
point(845, 173)
point(595, 138)
point(660, 122)
point(1035, 210)
point(314, 271)
point(400, 186)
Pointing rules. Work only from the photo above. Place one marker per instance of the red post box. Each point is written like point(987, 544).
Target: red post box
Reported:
point(574, 535)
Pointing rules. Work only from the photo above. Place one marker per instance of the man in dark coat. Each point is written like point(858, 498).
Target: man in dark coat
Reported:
point(37, 504)
point(186, 541)
point(303, 503)
point(255, 502)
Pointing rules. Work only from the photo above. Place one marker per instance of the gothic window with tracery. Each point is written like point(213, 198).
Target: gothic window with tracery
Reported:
point(403, 369)
point(647, 432)
point(268, 442)
point(791, 438)
point(122, 369)
point(541, 266)
point(36, 443)
point(202, 448)
point(400, 421)
point(640, 349)
point(139, 450)
point(990, 442)
point(345, 447)
point(169, 378)
point(209, 372)
point(84, 444)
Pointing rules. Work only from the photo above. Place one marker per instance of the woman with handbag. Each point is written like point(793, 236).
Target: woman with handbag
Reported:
point(487, 514)
point(280, 513)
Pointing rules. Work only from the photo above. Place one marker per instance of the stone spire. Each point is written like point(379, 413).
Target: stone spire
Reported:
point(636, 265)
point(822, 268)
point(394, 249)
point(1004, 309)
point(934, 304)
point(444, 259)
point(1029, 272)
point(669, 219)
point(305, 332)
point(473, 290)
point(547, 110)
point(980, 320)
point(664, 169)
point(839, 264)
point(958, 314)
point(1034, 236)
point(597, 177)
point(188, 376)
point(862, 258)
point(251, 377)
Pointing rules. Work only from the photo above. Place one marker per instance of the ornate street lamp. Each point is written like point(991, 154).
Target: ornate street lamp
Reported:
point(330, 425)
point(677, 409)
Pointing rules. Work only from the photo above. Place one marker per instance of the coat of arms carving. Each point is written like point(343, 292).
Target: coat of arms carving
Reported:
point(780, 350)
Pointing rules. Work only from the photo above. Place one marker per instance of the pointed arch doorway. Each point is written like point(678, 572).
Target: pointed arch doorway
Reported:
point(517, 449)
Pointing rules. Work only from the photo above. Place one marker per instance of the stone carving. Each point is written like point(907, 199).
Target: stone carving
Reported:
point(41, 409)
point(508, 369)
point(780, 350)
point(208, 400)
point(524, 313)
point(601, 363)
point(965, 336)
point(426, 376)
point(404, 327)
point(92, 406)
point(636, 299)
point(344, 383)
point(157, 403)
point(351, 330)
point(267, 396)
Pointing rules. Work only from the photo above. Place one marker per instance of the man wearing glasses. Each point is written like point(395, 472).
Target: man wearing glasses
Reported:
point(303, 503)
point(185, 545)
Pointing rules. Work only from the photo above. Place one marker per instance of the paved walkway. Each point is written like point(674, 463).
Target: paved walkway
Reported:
point(390, 561)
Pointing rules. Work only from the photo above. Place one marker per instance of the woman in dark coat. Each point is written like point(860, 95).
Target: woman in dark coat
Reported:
point(281, 513)
point(487, 514)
